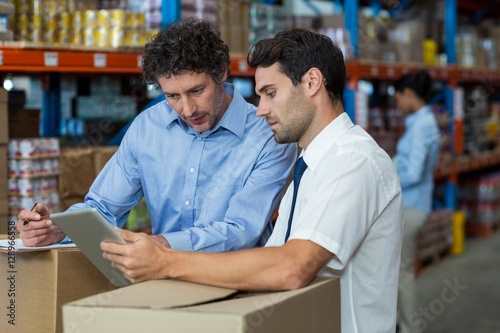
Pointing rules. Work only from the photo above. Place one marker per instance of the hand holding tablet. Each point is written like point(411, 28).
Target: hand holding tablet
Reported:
point(87, 228)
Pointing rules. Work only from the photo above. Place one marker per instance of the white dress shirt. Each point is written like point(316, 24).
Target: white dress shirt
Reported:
point(349, 202)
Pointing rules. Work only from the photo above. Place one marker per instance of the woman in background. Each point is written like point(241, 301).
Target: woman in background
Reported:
point(416, 159)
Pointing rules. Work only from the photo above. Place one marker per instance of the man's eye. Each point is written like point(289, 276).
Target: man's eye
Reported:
point(271, 94)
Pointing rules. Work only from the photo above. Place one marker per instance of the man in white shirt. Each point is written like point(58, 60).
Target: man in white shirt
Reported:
point(348, 215)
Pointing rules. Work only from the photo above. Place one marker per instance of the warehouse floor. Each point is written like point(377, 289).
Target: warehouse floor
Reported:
point(461, 294)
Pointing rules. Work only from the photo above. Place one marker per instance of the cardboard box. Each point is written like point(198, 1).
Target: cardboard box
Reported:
point(24, 123)
point(4, 209)
point(78, 167)
point(76, 172)
point(179, 307)
point(332, 21)
point(4, 117)
point(4, 220)
point(102, 156)
point(39, 283)
point(4, 122)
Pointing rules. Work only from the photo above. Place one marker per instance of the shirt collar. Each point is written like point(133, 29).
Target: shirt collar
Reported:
point(234, 119)
point(412, 118)
point(325, 139)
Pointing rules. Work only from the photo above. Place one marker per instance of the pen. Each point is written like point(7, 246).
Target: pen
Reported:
point(26, 221)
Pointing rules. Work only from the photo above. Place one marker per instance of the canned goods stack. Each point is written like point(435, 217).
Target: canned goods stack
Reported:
point(467, 46)
point(77, 22)
point(47, 21)
point(109, 28)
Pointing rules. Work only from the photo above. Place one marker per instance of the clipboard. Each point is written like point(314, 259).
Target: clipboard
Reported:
point(87, 228)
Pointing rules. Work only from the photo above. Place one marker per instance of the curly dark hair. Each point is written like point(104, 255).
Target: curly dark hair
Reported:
point(190, 45)
point(296, 51)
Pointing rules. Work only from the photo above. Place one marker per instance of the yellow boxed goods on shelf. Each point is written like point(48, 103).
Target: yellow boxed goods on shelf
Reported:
point(176, 306)
point(35, 285)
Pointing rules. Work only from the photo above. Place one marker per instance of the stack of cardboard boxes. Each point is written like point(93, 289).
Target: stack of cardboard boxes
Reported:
point(233, 19)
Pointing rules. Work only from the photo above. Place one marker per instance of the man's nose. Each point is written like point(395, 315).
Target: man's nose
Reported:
point(262, 110)
point(188, 107)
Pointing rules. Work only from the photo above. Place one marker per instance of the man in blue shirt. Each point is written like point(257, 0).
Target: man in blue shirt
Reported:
point(208, 167)
point(415, 160)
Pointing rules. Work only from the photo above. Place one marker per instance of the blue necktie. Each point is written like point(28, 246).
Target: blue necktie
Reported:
point(300, 167)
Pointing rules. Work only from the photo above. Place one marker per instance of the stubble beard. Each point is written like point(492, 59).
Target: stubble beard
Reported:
point(298, 120)
point(217, 107)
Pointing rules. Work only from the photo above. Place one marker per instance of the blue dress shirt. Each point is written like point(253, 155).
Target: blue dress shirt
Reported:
point(215, 191)
point(416, 159)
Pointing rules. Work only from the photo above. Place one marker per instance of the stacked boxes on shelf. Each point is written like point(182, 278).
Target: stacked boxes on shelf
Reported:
point(233, 20)
point(33, 168)
point(435, 239)
point(266, 21)
point(4, 138)
point(386, 125)
point(476, 117)
point(106, 101)
point(203, 9)
point(7, 11)
point(480, 199)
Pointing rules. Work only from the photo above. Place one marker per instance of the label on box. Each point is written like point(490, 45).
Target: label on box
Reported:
point(51, 59)
point(99, 60)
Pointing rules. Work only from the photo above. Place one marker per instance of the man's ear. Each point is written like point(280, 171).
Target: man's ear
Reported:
point(313, 81)
point(224, 76)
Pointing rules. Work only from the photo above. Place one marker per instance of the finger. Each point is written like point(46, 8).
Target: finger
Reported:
point(35, 225)
point(127, 235)
point(114, 258)
point(28, 215)
point(132, 275)
point(113, 248)
point(42, 209)
point(36, 233)
point(129, 274)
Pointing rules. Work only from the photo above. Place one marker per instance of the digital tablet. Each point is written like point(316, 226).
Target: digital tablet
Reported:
point(87, 228)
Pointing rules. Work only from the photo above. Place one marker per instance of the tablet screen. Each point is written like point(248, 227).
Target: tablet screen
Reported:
point(87, 228)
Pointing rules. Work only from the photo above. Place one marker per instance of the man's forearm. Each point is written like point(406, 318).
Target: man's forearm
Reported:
point(269, 268)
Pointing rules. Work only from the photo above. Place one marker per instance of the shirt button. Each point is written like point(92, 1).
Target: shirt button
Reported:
point(191, 170)
point(187, 202)
point(199, 138)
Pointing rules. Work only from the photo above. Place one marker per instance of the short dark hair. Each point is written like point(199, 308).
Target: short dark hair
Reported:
point(298, 50)
point(190, 45)
point(420, 82)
